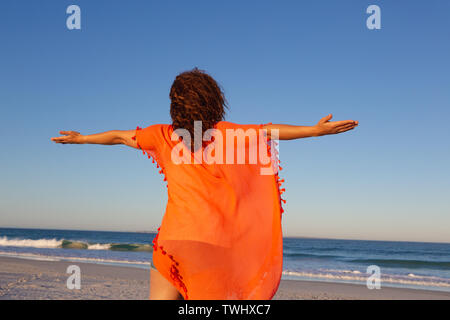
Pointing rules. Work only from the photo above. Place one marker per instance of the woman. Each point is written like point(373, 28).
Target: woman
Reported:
point(220, 237)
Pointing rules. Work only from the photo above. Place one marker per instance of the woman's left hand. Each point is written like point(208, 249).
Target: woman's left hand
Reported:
point(73, 137)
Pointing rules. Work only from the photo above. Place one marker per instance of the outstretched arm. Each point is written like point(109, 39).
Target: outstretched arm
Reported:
point(323, 127)
point(106, 138)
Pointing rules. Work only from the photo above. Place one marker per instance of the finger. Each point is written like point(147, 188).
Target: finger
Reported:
point(326, 118)
point(351, 125)
point(342, 128)
point(342, 123)
point(60, 139)
point(345, 129)
point(65, 132)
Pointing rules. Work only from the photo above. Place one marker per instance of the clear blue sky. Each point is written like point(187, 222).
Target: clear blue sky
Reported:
point(278, 61)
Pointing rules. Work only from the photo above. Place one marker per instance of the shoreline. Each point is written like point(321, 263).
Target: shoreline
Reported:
point(24, 279)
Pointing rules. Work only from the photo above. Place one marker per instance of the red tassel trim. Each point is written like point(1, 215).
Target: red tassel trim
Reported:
point(150, 156)
point(174, 271)
point(134, 137)
point(278, 180)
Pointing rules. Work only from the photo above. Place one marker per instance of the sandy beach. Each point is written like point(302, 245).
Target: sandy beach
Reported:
point(33, 279)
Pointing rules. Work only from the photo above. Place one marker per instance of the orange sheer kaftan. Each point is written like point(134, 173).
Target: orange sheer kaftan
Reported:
point(220, 237)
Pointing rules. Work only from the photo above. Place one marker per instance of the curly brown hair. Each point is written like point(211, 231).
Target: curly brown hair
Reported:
point(196, 96)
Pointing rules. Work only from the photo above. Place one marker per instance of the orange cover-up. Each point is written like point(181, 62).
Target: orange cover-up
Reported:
point(220, 237)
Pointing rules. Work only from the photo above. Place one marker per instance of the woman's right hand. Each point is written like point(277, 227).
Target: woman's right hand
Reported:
point(324, 126)
point(72, 137)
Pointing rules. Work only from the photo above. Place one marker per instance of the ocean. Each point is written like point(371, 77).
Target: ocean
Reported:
point(415, 265)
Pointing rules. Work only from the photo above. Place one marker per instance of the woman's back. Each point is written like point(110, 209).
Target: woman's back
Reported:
point(222, 223)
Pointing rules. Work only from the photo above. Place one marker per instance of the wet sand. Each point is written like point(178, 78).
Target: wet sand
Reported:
point(34, 279)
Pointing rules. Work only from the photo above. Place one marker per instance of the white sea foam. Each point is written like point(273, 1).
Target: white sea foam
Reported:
point(28, 256)
point(346, 275)
point(33, 256)
point(45, 243)
point(70, 244)
point(99, 246)
point(39, 243)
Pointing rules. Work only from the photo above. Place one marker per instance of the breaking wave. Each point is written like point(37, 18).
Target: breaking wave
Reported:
point(360, 277)
point(69, 244)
